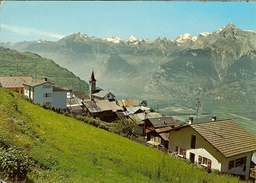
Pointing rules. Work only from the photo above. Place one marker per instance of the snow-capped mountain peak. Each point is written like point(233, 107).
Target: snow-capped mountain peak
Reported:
point(113, 39)
point(81, 35)
point(204, 34)
point(184, 37)
point(132, 39)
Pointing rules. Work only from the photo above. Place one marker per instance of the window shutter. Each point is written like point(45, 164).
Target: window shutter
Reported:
point(209, 163)
point(184, 153)
point(199, 160)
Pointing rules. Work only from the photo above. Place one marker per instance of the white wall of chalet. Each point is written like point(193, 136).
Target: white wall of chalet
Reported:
point(180, 144)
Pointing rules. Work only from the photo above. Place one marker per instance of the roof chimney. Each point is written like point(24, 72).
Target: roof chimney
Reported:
point(214, 118)
point(190, 120)
point(45, 79)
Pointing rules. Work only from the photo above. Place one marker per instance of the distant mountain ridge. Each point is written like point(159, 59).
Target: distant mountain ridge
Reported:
point(220, 64)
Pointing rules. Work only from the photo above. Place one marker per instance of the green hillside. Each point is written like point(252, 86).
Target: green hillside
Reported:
point(30, 64)
point(67, 150)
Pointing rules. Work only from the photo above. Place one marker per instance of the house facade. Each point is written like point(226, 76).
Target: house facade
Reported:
point(221, 145)
point(44, 92)
point(58, 95)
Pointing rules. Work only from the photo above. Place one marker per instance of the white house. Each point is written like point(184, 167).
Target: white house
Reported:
point(103, 95)
point(222, 145)
point(59, 98)
point(44, 92)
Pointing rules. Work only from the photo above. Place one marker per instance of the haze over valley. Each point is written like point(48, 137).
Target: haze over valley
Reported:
point(217, 67)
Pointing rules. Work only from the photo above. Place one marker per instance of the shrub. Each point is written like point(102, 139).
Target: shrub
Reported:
point(124, 127)
point(14, 164)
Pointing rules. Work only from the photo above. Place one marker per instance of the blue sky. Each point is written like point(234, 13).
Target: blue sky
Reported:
point(46, 20)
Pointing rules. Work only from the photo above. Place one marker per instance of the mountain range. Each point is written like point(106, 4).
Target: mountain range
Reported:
point(219, 65)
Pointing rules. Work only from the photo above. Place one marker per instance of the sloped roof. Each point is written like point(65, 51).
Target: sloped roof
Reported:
point(102, 94)
point(57, 89)
point(91, 106)
point(133, 110)
point(164, 136)
point(162, 121)
point(37, 83)
point(226, 136)
point(81, 95)
point(106, 105)
point(14, 81)
point(153, 115)
point(127, 103)
point(163, 129)
point(139, 117)
point(121, 115)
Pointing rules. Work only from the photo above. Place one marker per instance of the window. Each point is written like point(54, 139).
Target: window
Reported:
point(48, 95)
point(193, 141)
point(155, 139)
point(182, 152)
point(231, 164)
point(47, 86)
point(209, 163)
point(204, 161)
point(241, 161)
point(199, 160)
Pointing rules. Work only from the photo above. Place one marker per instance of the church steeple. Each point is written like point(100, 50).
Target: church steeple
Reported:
point(92, 85)
point(92, 77)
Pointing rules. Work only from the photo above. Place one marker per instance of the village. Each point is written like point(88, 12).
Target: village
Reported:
point(220, 145)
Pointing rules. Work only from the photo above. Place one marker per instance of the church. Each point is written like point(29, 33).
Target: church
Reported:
point(98, 94)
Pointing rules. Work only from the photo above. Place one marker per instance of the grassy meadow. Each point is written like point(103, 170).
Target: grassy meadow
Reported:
point(64, 149)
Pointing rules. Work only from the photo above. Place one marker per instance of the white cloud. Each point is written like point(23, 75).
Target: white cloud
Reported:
point(28, 31)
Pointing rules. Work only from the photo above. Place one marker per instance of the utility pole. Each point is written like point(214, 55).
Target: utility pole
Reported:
point(198, 105)
point(17, 69)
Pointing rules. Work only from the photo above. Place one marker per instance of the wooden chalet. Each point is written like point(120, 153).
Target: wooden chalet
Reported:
point(103, 109)
point(157, 130)
point(222, 145)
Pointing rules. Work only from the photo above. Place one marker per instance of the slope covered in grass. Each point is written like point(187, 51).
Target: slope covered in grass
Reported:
point(66, 150)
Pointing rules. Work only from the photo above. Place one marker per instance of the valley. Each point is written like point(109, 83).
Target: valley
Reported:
point(217, 67)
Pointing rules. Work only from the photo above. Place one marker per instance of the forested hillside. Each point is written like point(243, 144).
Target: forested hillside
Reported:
point(31, 64)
